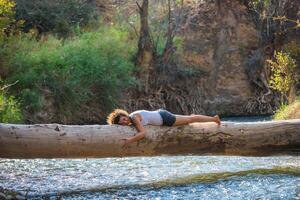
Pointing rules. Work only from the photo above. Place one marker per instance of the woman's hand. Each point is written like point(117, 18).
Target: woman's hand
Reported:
point(140, 134)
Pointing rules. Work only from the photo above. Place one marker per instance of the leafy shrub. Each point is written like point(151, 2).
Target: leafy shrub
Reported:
point(291, 111)
point(57, 16)
point(6, 13)
point(283, 72)
point(10, 111)
point(91, 66)
point(293, 48)
point(6, 16)
point(8, 24)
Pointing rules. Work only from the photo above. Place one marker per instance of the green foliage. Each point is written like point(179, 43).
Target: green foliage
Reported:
point(283, 75)
point(10, 111)
point(281, 113)
point(291, 111)
point(58, 16)
point(178, 43)
point(95, 65)
point(6, 15)
point(161, 44)
point(8, 24)
point(292, 48)
point(31, 99)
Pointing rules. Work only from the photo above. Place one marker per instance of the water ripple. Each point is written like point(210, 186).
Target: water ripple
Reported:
point(147, 176)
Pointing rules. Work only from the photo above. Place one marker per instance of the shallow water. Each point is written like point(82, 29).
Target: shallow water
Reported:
point(161, 177)
point(164, 177)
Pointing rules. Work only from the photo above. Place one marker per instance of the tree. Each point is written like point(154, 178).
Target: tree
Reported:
point(6, 16)
point(283, 75)
point(75, 141)
point(145, 54)
point(58, 16)
point(10, 111)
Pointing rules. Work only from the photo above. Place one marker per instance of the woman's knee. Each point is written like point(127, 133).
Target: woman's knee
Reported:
point(183, 119)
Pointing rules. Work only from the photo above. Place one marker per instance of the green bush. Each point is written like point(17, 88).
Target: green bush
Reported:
point(91, 66)
point(6, 14)
point(283, 73)
point(58, 16)
point(288, 111)
point(10, 111)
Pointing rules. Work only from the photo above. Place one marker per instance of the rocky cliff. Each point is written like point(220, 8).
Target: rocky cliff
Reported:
point(221, 68)
point(218, 37)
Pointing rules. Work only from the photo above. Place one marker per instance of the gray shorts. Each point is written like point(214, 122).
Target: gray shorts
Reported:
point(167, 117)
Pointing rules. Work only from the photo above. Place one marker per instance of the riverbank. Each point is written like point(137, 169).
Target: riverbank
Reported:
point(291, 111)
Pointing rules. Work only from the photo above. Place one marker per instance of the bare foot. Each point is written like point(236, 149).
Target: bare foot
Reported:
point(217, 119)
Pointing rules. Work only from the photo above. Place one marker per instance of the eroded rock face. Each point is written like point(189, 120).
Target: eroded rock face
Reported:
point(218, 38)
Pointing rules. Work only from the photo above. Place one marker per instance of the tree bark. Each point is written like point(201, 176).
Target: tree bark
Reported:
point(169, 47)
point(145, 47)
point(81, 141)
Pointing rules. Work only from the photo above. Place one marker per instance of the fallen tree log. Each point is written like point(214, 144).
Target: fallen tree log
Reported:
point(81, 141)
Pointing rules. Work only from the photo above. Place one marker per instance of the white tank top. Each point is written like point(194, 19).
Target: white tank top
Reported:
point(149, 117)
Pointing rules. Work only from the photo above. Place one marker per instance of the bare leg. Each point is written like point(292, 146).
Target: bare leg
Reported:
point(187, 119)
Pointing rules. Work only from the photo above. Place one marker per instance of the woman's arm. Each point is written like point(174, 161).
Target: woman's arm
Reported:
point(139, 127)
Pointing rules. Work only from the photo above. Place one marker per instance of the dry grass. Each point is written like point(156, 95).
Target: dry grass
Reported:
point(291, 111)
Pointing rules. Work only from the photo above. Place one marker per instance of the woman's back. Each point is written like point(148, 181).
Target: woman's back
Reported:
point(148, 117)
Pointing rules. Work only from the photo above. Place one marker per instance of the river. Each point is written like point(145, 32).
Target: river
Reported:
point(161, 177)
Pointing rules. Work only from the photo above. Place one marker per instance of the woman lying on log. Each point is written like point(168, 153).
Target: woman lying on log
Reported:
point(160, 117)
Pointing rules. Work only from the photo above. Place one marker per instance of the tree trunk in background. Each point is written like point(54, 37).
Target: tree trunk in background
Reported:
point(75, 141)
point(145, 47)
point(292, 94)
point(169, 47)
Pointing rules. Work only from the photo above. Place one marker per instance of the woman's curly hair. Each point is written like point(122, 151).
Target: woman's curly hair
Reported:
point(114, 117)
